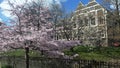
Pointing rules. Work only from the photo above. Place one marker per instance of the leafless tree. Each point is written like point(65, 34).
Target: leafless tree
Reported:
point(113, 19)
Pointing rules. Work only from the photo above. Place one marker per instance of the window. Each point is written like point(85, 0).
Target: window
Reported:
point(92, 21)
point(86, 21)
point(101, 31)
point(102, 34)
point(100, 12)
point(80, 23)
point(74, 25)
point(101, 20)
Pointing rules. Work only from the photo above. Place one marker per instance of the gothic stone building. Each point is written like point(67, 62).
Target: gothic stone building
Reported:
point(90, 24)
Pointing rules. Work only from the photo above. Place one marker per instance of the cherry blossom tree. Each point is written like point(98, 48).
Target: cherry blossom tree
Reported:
point(32, 26)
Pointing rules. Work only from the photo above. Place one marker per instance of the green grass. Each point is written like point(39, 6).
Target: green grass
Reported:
point(85, 52)
point(21, 52)
point(95, 53)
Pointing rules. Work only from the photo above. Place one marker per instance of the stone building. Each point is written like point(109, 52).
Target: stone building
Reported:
point(90, 25)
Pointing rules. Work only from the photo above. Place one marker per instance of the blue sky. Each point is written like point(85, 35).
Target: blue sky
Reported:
point(69, 5)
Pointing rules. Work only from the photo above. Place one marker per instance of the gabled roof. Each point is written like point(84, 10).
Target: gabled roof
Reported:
point(80, 6)
point(92, 3)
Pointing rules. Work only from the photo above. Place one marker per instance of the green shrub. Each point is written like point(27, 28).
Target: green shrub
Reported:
point(6, 66)
point(68, 52)
point(83, 49)
point(95, 53)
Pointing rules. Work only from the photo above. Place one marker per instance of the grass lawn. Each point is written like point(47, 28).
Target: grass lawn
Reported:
point(96, 53)
point(21, 52)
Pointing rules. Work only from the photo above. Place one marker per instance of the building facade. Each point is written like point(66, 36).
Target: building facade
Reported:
point(90, 25)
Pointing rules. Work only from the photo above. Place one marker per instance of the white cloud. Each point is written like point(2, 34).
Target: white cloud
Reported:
point(112, 6)
point(4, 5)
point(0, 20)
